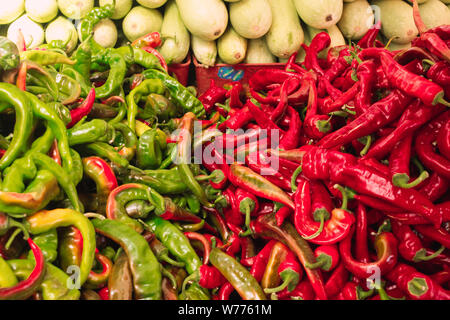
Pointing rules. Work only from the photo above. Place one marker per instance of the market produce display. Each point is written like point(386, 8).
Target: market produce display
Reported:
point(326, 179)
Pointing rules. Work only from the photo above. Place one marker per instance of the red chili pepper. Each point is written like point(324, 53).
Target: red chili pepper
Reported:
point(54, 152)
point(104, 293)
point(439, 72)
point(361, 248)
point(233, 215)
point(443, 140)
point(386, 246)
point(368, 40)
point(320, 198)
point(263, 78)
point(152, 39)
point(260, 262)
point(366, 73)
point(205, 242)
point(303, 291)
point(21, 81)
point(430, 40)
point(290, 139)
point(323, 232)
point(442, 277)
point(424, 146)
point(337, 280)
point(210, 277)
point(234, 95)
point(261, 118)
point(415, 66)
point(353, 291)
point(83, 109)
point(156, 53)
point(2, 152)
point(344, 98)
point(377, 116)
point(399, 165)
point(439, 235)
point(280, 109)
point(327, 258)
point(213, 95)
point(435, 187)
point(24, 289)
point(321, 41)
point(416, 285)
point(336, 69)
point(225, 291)
point(289, 271)
point(410, 246)
point(415, 115)
point(315, 126)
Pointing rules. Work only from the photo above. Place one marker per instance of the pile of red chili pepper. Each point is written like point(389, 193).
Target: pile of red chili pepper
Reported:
point(357, 206)
point(325, 180)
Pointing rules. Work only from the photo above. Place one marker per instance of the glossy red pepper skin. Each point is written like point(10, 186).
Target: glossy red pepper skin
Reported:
point(386, 246)
point(290, 139)
point(334, 230)
point(233, 215)
point(263, 78)
point(415, 115)
point(234, 95)
point(303, 291)
point(213, 95)
point(400, 157)
point(439, 73)
point(351, 291)
point(416, 285)
point(315, 126)
point(337, 280)
point(435, 187)
point(210, 277)
point(439, 235)
point(260, 262)
point(361, 248)
point(321, 41)
point(366, 73)
point(26, 288)
point(424, 146)
point(368, 40)
point(156, 53)
point(82, 110)
point(377, 116)
point(337, 67)
point(443, 140)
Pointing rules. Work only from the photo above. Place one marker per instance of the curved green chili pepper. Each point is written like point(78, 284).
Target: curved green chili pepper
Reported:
point(48, 243)
point(46, 57)
point(45, 112)
point(148, 152)
point(82, 57)
point(177, 243)
point(118, 69)
point(54, 286)
point(93, 17)
point(143, 264)
point(92, 131)
point(14, 97)
point(182, 96)
point(7, 276)
point(44, 221)
point(104, 150)
point(144, 89)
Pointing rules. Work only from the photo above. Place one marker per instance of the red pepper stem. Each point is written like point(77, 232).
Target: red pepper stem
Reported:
point(421, 255)
point(289, 277)
point(20, 228)
point(294, 178)
point(401, 180)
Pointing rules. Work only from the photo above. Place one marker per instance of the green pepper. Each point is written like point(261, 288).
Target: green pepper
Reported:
point(11, 96)
point(177, 243)
point(239, 277)
point(92, 131)
point(45, 57)
point(144, 89)
point(70, 247)
point(45, 112)
point(182, 96)
point(104, 150)
point(69, 89)
point(84, 83)
point(41, 78)
point(118, 69)
point(82, 57)
point(62, 111)
point(48, 243)
point(44, 221)
point(163, 185)
point(53, 287)
point(120, 282)
point(7, 276)
point(158, 106)
point(93, 17)
point(143, 264)
point(9, 54)
point(195, 292)
point(148, 152)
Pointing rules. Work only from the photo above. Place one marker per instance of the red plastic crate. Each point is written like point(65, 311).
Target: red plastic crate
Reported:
point(224, 73)
point(181, 70)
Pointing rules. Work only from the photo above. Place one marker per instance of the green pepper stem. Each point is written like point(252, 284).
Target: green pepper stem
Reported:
point(169, 276)
point(344, 196)
point(443, 102)
point(431, 256)
point(319, 231)
point(290, 277)
point(223, 106)
point(428, 61)
point(20, 228)
point(417, 163)
point(401, 180)
point(294, 178)
point(170, 261)
point(366, 146)
point(191, 278)
point(323, 125)
point(362, 295)
point(319, 264)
